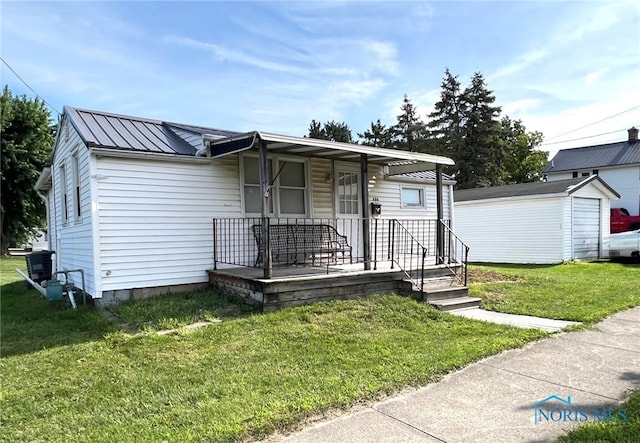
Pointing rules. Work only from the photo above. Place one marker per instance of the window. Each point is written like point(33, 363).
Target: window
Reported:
point(595, 172)
point(75, 177)
point(585, 174)
point(289, 188)
point(575, 174)
point(348, 193)
point(64, 194)
point(412, 197)
point(292, 189)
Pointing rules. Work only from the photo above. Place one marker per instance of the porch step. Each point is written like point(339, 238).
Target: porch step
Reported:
point(444, 293)
point(450, 304)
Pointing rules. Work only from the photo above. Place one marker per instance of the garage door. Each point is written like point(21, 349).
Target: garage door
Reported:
point(586, 228)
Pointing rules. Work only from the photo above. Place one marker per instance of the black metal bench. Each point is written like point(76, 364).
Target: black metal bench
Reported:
point(292, 244)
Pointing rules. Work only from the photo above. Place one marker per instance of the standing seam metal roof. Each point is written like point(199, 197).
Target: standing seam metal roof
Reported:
point(123, 132)
point(593, 157)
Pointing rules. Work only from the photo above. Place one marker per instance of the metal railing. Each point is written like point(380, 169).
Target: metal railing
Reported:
point(455, 254)
point(411, 245)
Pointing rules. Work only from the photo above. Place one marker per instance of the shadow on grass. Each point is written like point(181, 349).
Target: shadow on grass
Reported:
point(175, 310)
point(30, 323)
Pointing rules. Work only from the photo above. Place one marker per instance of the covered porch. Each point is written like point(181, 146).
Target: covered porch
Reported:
point(255, 255)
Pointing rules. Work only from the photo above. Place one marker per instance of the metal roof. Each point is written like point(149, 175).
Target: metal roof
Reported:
point(115, 131)
point(594, 157)
point(424, 175)
point(530, 189)
point(310, 147)
point(127, 133)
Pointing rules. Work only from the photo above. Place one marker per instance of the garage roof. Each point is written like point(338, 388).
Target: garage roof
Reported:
point(530, 189)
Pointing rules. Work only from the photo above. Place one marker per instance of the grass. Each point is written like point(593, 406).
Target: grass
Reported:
point(240, 379)
point(177, 310)
point(601, 432)
point(585, 292)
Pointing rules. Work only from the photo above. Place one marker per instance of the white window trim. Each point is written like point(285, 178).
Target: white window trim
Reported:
point(64, 194)
point(277, 161)
point(76, 184)
point(421, 190)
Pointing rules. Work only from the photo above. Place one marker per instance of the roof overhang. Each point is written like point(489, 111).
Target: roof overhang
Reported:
point(399, 162)
point(44, 182)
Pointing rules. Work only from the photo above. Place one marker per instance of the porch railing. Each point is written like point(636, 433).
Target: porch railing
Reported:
point(410, 245)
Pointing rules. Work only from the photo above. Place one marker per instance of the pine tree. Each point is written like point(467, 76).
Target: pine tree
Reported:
point(333, 130)
point(410, 131)
point(446, 121)
point(482, 154)
point(378, 135)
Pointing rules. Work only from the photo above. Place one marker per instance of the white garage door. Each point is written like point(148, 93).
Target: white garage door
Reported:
point(586, 228)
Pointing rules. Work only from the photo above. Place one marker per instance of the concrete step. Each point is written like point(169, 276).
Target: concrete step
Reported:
point(450, 304)
point(443, 293)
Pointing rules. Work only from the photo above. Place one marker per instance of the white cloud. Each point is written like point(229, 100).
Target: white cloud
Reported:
point(593, 76)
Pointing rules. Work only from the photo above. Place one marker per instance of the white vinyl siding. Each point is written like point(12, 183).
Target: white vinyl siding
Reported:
point(388, 192)
point(72, 239)
point(625, 180)
point(517, 231)
point(156, 219)
point(321, 188)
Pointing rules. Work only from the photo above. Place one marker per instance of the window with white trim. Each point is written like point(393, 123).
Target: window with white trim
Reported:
point(75, 178)
point(412, 197)
point(64, 193)
point(289, 187)
point(348, 193)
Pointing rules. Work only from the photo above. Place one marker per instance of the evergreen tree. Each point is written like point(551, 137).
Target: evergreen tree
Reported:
point(445, 124)
point(378, 135)
point(27, 136)
point(482, 155)
point(522, 163)
point(333, 130)
point(316, 130)
point(409, 131)
point(465, 127)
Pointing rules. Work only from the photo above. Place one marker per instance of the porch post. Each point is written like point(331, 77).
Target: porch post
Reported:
point(366, 235)
point(439, 225)
point(265, 190)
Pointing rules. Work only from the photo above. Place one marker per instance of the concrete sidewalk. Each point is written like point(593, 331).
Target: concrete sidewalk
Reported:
point(493, 400)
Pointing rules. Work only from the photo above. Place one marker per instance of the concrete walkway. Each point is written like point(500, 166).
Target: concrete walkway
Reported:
point(493, 400)
point(521, 321)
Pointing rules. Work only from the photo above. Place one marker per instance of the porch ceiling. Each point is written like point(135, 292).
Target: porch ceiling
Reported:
point(310, 147)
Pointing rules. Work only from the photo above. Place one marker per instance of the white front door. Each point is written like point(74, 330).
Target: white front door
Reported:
point(348, 200)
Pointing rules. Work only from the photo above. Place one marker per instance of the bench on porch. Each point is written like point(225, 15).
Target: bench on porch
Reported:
point(292, 243)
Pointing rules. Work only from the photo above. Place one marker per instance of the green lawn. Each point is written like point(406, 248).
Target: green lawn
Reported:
point(585, 292)
point(603, 432)
point(75, 376)
point(243, 378)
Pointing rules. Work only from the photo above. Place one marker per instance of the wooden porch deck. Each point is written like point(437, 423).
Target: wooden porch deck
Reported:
point(298, 285)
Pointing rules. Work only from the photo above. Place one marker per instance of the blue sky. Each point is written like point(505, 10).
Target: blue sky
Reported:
point(274, 66)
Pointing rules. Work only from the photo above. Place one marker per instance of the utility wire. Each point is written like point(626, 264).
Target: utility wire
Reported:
point(27, 85)
point(591, 124)
point(581, 138)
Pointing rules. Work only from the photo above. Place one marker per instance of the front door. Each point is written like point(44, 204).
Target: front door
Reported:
point(348, 200)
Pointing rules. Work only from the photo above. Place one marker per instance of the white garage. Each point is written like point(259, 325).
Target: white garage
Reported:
point(545, 222)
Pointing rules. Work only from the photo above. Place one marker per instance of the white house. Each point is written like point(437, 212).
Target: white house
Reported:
point(544, 222)
point(131, 201)
point(617, 163)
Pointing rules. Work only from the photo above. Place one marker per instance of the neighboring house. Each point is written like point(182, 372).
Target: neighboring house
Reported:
point(132, 201)
point(544, 222)
point(617, 163)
